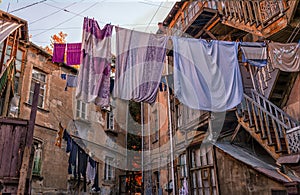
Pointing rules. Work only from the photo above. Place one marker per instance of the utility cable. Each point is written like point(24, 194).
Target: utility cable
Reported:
point(28, 6)
point(65, 20)
point(153, 16)
point(51, 14)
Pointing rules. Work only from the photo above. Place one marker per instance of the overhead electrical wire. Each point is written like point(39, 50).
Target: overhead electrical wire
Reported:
point(154, 15)
point(27, 6)
point(65, 20)
point(51, 14)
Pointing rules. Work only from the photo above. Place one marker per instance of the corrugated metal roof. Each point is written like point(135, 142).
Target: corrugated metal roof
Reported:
point(6, 28)
point(251, 160)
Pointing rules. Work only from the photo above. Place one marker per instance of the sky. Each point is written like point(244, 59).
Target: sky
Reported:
point(48, 17)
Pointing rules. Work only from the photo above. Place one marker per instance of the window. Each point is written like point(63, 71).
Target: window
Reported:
point(156, 126)
point(19, 61)
point(37, 159)
point(109, 170)
point(178, 113)
point(81, 110)
point(182, 166)
point(203, 178)
point(110, 120)
point(38, 77)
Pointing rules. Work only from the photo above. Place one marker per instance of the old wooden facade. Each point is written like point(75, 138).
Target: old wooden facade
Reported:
point(254, 153)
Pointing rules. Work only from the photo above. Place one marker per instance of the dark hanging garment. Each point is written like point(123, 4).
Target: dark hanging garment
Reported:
point(72, 158)
point(59, 52)
point(95, 187)
point(82, 161)
point(63, 76)
point(82, 164)
point(68, 139)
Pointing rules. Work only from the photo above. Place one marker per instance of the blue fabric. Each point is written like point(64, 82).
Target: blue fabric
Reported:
point(255, 53)
point(68, 139)
point(72, 159)
point(63, 76)
point(207, 74)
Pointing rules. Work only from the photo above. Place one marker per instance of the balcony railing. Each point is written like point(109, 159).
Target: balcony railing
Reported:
point(293, 137)
point(259, 12)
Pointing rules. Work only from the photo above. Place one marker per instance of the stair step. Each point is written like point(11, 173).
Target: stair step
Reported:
point(277, 96)
point(281, 151)
point(264, 137)
point(271, 144)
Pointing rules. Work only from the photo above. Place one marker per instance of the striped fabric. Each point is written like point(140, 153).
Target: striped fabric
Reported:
point(6, 28)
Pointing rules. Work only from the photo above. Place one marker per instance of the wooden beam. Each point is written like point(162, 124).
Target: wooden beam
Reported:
point(237, 129)
point(29, 140)
point(3, 53)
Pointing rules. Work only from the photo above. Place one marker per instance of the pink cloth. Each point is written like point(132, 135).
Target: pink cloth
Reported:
point(58, 52)
point(73, 53)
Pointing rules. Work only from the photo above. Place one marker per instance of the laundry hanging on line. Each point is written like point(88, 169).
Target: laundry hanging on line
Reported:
point(72, 52)
point(94, 73)
point(80, 163)
point(285, 56)
point(255, 53)
point(206, 74)
point(139, 64)
point(59, 52)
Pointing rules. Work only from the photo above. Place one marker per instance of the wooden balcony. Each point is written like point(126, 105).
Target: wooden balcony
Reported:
point(260, 17)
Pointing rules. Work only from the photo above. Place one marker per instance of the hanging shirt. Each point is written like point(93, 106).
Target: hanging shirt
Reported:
point(91, 170)
point(63, 76)
point(206, 74)
point(254, 53)
point(94, 73)
point(59, 52)
point(72, 158)
point(68, 139)
point(285, 56)
point(139, 64)
point(73, 53)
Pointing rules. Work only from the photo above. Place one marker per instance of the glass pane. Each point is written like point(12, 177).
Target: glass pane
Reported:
point(40, 101)
point(78, 105)
point(83, 107)
point(18, 65)
point(19, 55)
point(30, 98)
point(16, 84)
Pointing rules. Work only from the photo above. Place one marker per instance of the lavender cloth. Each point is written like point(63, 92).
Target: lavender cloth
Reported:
point(139, 64)
point(285, 56)
point(206, 74)
point(73, 53)
point(59, 52)
point(94, 73)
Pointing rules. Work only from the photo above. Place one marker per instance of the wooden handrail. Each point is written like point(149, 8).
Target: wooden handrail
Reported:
point(273, 109)
point(267, 124)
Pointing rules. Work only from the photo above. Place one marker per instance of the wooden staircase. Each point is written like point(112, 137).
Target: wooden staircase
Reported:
point(266, 123)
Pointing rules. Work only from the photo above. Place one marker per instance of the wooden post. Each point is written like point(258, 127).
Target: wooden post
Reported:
point(7, 93)
point(3, 54)
point(29, 140)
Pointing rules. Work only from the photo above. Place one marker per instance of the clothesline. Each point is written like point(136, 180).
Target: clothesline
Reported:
point(78, 159)
point(140, 58)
